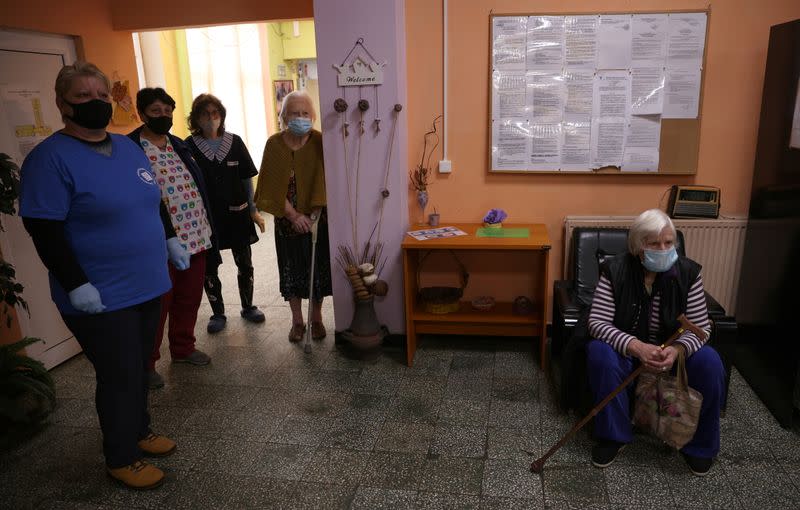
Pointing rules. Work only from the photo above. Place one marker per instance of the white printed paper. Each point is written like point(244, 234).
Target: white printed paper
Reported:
point(686, 41)
point(644, 131)
point(638, 159)
point(511, 147)
point(26, 115)
point(647, 86)
point(614, 41)
point(548, 94)
point(580, 41)
point(576, 146)
point(508, 36)
point(545, 147)
point(436, 233)
point(510, 95)
point(611, 95)
point(649, 40)
point(545, 44)
point(608, 142)
point(579, 86)
point(681, 94)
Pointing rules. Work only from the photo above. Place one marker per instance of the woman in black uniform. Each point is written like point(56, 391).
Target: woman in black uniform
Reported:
point(228, 170)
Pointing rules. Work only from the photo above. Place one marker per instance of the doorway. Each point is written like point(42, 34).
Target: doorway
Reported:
point(250, 68)
point(29, 63)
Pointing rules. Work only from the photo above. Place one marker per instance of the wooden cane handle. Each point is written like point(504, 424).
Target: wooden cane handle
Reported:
point(687, 324)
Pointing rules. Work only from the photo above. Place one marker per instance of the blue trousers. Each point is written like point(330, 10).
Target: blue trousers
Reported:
point(607, 369)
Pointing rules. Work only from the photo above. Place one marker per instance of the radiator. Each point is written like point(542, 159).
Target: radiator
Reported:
point(716, 244)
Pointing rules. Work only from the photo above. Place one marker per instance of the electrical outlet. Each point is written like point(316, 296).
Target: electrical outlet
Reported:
point(445, 166)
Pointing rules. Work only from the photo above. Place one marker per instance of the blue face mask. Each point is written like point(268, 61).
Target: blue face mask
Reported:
point(299, 126)
point(659, 261)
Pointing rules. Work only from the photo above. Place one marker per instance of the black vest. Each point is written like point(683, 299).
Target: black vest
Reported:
point(633, 303)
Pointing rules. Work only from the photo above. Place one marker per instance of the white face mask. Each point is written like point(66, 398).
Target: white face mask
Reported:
point(210, 126)
point(659, 261)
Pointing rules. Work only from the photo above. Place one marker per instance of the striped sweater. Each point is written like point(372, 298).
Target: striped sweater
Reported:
point(601, 318)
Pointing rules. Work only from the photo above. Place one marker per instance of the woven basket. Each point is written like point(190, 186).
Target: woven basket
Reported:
point(441, 300)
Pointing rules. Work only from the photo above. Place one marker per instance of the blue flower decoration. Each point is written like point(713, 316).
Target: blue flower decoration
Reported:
point(495, 216)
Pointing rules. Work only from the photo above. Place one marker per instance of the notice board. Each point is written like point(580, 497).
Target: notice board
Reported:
point(596, 92)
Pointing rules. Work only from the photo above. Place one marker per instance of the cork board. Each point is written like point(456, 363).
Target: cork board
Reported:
point(679, 142)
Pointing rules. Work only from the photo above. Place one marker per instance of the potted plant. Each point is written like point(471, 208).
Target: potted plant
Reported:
point(420, 177)
point(27, 391)
point(494, 218)
point(10, 290)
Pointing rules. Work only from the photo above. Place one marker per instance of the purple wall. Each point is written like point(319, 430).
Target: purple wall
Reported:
point(381, 23)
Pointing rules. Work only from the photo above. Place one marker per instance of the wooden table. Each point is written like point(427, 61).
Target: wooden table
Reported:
point(499, 321)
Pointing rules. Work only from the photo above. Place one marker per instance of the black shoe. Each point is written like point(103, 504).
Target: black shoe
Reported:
point(154, 380)
point(216, 323)
point(253, 314)
point(700, 466)
point(604, 452)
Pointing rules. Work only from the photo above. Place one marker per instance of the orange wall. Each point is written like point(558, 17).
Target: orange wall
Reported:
point(90, 20)
point(736, 56)
point(158, 14)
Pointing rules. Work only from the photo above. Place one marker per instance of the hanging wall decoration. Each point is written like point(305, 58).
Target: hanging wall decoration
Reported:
point(124, 114)
point(359, 72)
point(359, 68)
point(362, 262)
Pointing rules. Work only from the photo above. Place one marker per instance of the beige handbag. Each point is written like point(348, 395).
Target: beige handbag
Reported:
point(667, 406)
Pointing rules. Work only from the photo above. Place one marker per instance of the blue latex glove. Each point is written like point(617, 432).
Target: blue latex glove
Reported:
point(86, 298)
point(177, 254)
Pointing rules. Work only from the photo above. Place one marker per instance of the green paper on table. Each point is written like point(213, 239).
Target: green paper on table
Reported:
point(502, 232)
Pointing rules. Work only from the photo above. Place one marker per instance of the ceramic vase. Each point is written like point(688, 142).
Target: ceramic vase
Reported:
point(365, 336)
point(422, 200)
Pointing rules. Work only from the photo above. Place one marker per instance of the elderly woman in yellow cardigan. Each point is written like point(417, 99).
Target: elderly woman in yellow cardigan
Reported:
point(291, 187)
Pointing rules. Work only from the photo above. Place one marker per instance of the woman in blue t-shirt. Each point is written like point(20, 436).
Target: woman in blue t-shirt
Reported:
point(91, 204)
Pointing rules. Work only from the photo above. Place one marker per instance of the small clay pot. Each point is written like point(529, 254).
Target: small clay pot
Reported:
point(433, 219)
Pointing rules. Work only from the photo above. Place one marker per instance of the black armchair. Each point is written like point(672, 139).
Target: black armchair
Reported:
point(590, 247)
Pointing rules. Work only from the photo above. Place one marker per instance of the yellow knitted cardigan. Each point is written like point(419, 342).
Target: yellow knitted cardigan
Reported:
point(277, 165)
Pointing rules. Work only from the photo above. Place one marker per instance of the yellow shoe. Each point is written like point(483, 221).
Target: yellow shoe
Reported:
point(140, 475)
point(156, 445)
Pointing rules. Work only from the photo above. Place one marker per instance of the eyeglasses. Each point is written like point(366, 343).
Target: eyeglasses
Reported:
point(213, 114)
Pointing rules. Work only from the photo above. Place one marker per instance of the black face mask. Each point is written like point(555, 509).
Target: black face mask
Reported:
point(159, 125)
point(94, 114)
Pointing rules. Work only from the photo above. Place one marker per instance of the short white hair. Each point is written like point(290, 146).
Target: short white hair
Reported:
point(648, 224)
point(299, 96)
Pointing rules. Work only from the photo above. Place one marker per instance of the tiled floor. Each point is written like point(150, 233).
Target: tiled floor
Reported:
point(267, 426)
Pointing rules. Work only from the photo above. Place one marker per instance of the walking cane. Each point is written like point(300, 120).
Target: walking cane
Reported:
point(314, 225)
point(538, 464)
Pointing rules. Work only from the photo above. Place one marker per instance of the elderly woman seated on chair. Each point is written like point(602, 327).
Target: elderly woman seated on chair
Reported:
point(636, 304)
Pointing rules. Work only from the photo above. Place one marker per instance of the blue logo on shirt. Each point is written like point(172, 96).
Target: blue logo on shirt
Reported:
point(145, 175)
